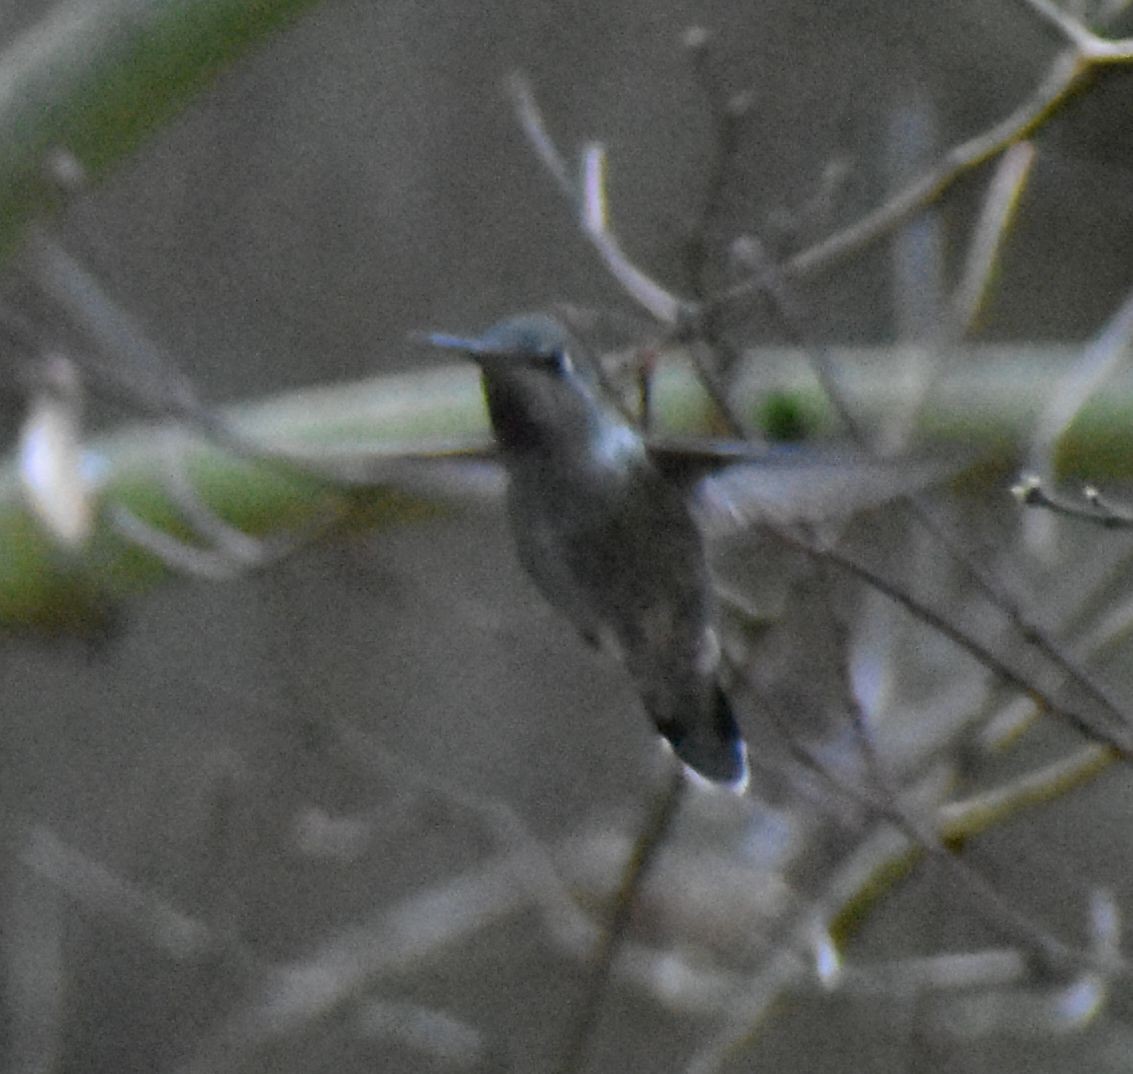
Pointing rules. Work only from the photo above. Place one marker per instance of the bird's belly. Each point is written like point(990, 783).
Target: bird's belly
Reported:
point(628, 571)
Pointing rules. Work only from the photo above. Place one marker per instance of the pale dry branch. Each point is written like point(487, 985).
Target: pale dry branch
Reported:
point(437, 1034)
point(776, 285)
point(1066, 396)
point(589, 200)
point(546, 886)
point(295, 997)
point(889, 803)
point(51, 465)
point(1067, 72)
point(1064, 22)
point(970, 816)
point(936, 973)
point(100, 891)
point(989, 235)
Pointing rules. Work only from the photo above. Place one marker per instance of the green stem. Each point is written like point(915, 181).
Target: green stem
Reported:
point(986, 408)
point(97, 77)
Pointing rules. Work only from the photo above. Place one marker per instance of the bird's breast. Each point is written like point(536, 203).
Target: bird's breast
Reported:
point(616, 550)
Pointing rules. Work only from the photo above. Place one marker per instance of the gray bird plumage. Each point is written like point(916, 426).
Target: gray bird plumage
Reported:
point(608, 538)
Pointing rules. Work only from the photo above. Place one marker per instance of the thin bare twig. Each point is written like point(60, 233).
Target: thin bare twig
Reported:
point(130, 366)
point(1094, 508)
point(229, 552)
point(725, 114)
point(926, 514)
point(1117, 738)
point(135, 365)
point(1029, 630)
point(970, 970)
point(237, 556)
point(923, 836)
point(649, 841)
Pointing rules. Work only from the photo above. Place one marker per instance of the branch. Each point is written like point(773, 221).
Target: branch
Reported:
point(368, 426)
point(1066, 75)
point(98, 77)
point(588, 197)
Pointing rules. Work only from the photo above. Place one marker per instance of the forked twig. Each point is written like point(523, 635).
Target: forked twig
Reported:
point(1093, 508)
point(589, 200)
point(1067, 73)
point(926, 514)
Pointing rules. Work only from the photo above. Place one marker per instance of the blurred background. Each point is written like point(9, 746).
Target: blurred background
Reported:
point(287, 761)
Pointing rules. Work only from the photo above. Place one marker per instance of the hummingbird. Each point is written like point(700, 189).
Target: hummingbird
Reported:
point(607, 535)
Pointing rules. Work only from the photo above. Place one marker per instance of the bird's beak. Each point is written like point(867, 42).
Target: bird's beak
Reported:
point(470, 347)
point(473, 348)
point(451, 343)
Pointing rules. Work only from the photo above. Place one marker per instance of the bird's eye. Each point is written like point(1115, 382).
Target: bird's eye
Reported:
point(560, 362)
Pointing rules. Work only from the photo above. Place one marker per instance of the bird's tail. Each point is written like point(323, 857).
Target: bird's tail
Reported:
point(712, 746)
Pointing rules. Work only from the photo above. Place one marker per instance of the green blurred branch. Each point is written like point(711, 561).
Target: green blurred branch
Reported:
point(986, 406)
point(96, 77)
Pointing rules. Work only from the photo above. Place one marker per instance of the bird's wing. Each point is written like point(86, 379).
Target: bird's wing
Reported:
point(685, 460)
point(454, 473)
point(804, 487)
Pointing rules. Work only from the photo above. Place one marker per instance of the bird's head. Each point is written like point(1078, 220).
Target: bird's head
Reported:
point(540, 384)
